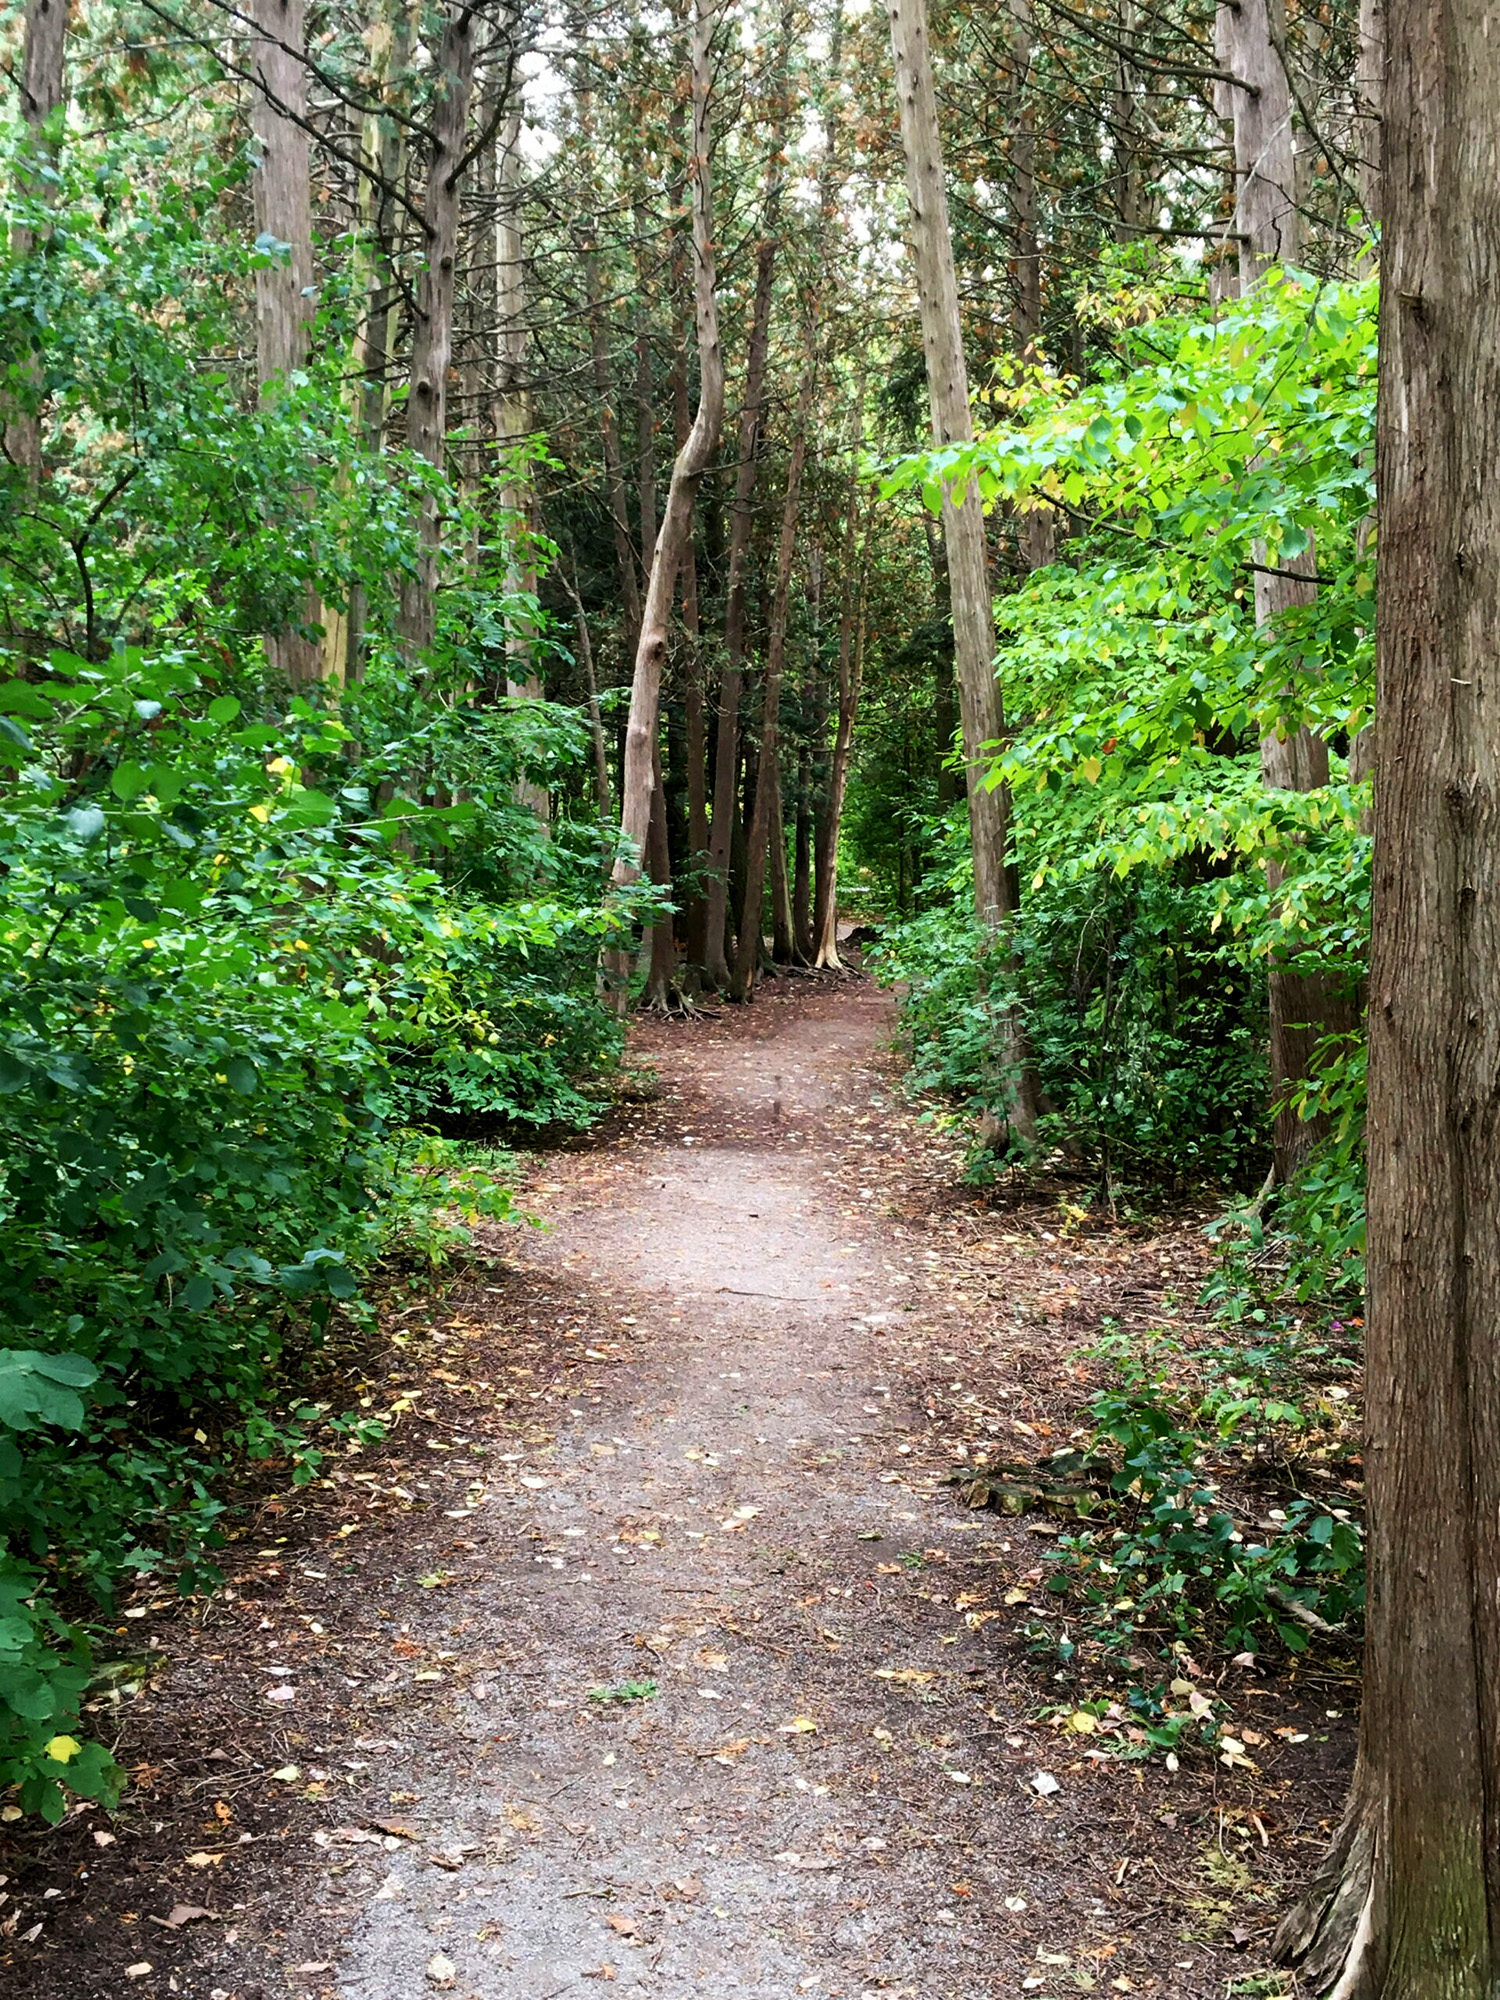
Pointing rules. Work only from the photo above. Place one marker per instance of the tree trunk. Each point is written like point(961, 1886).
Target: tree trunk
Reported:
point(687, 472)
point(850, 675)
point(382, 152)
point(1038, 525)
point(515, 428)
point(695, 908)
point(963, 521)
point(432, 329)
point(645, 400)
point(804, 946)
point(661, 958)
point(783, 939)
point(1304, 1007)
point(596, 722)
point(1369, 94)
point(741, 522)
point(1408, 1907)
point(43, 74)
point(282, 187)
point(1126, 132)
point(757, 839)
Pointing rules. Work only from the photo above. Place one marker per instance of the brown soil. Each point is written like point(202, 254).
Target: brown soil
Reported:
point(691, 1439)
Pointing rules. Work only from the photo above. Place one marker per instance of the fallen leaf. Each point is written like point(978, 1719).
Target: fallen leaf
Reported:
point(182, 1914)
point(281, 1694)
point(904, 1676)
point(315, 1965)
point(202, 1859)
point(138, 1971)
point(800, 1725)
point(441, 1970)
point(102, 1839)
point(1044, 1784)
point(288, 1774)
point(625, 1927)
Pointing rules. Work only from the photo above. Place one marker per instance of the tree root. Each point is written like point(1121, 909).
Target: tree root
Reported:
point(1326, 1937)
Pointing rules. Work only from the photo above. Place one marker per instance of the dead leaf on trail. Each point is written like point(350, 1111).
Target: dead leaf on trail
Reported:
point(625, 1927)
point(713, 1662)
point(904, 1676)
point(202, 1859)
point(441, 1970)
point(800, 1725)
point(727, 1752)
point(739, 1519)
point(141, 1970)
point(315, 1965)
point(183, 1913)
point(1044, 1784)
point(599, 1972)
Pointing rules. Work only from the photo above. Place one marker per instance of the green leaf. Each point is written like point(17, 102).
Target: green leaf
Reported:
point(223, 708)
point(41, 1388)
point(243, 1075)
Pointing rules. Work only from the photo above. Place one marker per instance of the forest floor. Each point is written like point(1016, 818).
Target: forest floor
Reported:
point(653, 1651)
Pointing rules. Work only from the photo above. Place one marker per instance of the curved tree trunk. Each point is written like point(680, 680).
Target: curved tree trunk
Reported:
point(1408, 1907)
point(677, 521)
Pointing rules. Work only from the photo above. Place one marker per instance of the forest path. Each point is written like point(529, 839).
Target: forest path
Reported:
point(650, 1651)
point(718, 1516)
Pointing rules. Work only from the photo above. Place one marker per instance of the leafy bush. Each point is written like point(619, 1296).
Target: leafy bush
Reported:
point(1179, 1563)
point(1147, 1037)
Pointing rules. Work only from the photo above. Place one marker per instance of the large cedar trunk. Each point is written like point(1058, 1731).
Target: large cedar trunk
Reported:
point(432, 329)
point(1408, 1907)
point(963, 519)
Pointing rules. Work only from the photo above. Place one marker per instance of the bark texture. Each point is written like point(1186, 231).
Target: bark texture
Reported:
point(514, 428)
point(1409, 1908)
point(282, 190)
point(432, 330)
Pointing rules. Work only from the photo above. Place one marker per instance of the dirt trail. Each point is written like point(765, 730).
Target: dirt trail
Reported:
point(742, 1832)
point(674, 1670)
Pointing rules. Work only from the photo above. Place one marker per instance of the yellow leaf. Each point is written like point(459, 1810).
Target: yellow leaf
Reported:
point(800, 1725)
point(63, 1749)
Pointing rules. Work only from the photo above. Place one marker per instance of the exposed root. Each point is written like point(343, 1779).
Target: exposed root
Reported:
point(1326, 1937)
